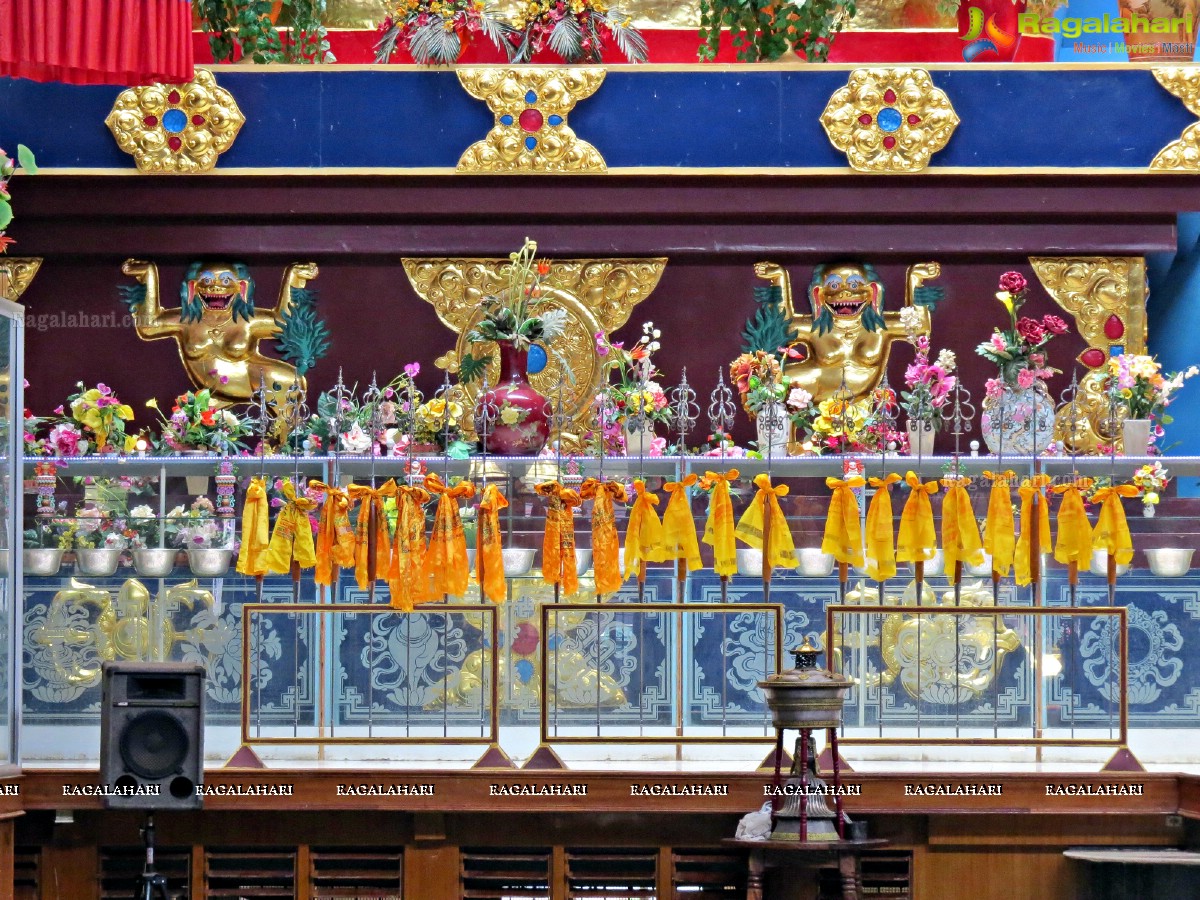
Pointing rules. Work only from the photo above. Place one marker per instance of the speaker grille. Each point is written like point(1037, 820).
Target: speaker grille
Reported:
point(154, 745)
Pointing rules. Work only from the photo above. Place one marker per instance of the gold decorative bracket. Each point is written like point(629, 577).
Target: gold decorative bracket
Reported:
point(1107, 298)
point(889, 120)
point(1182, 154)
point(176, 129)
point(16, 274)
point(531, 134)
point(598, 295)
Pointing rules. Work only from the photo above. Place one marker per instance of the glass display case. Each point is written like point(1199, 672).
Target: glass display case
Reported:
point(12, 380)
point(633, 675)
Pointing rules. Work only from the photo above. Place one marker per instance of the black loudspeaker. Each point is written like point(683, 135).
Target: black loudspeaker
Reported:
point(152, 735)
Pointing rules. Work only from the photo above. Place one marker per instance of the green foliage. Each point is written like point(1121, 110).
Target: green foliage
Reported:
point(6, 214)
point(26, 159)
point(767, 29)
point(303, 337)
point(472, 367)
point(246, 25)
point(769, 328)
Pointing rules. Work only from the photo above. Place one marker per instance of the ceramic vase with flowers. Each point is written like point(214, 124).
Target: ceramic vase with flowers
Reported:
point(637, 398)
point(927, 385)
point(1018, 413)
point(98, 416)
point(759, 381)
point(1142, 393)
point(522, 315)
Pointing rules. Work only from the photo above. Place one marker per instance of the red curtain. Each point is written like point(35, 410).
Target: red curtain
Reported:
point(121, 42)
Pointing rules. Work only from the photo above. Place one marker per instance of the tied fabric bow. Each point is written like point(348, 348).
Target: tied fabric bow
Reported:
point(256, 530)
point(1112, 530)
point(371, 500)
point(718, 530)
point(335, 537)
point(406, 579)
point(292, 540)
point(1000, 529)
point(606, 551)
point(880, 548)
point(765, 508)
point(1074, 541)
point(843, 535)
point(1032, 490)
point(645, 540)
point(489, 557)
point(558, 546)
point(446, 559)
point(960, 533)
point(917, 541)
point(679, 528)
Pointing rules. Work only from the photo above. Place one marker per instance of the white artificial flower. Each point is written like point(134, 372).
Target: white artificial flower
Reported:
point(141, 512)
point(554, 323)
point(799, 398)
point(910, 320)
point(656, 334)
point(946, 360)
point(356, 440)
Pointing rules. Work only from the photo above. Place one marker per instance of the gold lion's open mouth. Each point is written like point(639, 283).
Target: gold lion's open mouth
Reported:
point(846, 308)
point(215, 301)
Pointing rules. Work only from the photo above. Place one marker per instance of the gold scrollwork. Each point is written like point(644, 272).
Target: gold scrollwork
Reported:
point(176, 129)
point(16, 274)
point(1093, 289)
point(598, 295)
point(1182, 154)
point(531, 134)
point(889, 120)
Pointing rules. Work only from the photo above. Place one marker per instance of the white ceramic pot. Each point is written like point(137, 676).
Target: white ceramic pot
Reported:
point(935, 566)
point(749, 562)
point(814, 562)
point(517, 561)
point(920, 440)
point(638, 443)
point(43, 562)
point(154, 562)
point(1135, 437)
point(1170, 562)
point(983, 570)
point(583, 561)
point(209, 562)
point(773, 426)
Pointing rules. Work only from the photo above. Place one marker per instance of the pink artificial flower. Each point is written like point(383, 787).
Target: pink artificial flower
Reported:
point(1054, 324)
point(65, 440)
point(993, 388)
point(58, 410)
point(998, 341)
point(1026, 378)
point(1031, 330)
point(1013, 282)
point(658, 446)
point(412, 369)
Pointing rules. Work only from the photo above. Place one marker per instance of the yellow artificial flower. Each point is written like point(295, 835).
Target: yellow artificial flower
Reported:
point(152, 403)
point(131, 441)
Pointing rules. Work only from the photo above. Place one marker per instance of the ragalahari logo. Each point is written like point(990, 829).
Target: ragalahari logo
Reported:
point(989, 28)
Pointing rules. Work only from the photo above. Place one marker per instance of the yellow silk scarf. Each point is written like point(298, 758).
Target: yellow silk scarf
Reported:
point(1112, 530)
point(606, 550)
point(679, 528)
point(782, 551)
point(407, 582)
point(489, 557)
point(917, 541)
point(718, 530)
point(370, 498)
point(960, 532)
point(1000, 530)
point(292, 539)
point(880, 547)
point(1074, 541)
point(843, 534)
point(1032, 489)
point(256, 530)
point(558, 546)
point(335, 537)
point(645, 540)
point(446, 559)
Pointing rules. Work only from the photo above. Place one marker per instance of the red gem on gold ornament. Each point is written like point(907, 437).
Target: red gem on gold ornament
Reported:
point(173, 97)
point(914, 119)
point(1093, 357)
point(865, 119)
point(1114, 328)
point(889, 96)
point(889, 142)
point(197, 120)
point(150, 121)
point(174, 143)
point(531, 120)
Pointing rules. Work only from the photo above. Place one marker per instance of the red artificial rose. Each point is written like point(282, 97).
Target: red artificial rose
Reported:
point(1013, 282)
point(1030, 330)
point(1054, 325)
point(206, 417)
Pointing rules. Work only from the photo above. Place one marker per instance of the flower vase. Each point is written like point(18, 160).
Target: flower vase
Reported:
point(1148, 510)
point(920, 438)
point(522, 425)
point(639, 441)
point(1135, 437)
point(773, 426)
point(1018, 421)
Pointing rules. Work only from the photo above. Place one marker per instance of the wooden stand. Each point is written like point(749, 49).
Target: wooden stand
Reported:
point(807, 855)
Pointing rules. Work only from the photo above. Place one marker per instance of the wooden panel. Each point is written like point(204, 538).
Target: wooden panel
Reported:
point(69, 871)
point(1050, 831)
point(995, 875)
point(1189, 796)
point(431, 873)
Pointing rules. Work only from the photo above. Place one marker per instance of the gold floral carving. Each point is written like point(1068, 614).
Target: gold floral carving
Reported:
point(176, 129)
point(16, 274)
point(1182, 154)
point(918, 117)
point(598, 295)
point(1093, 289)
point(552, 147)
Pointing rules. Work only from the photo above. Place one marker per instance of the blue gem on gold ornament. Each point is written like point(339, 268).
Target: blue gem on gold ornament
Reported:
point(536, 360)
point(889, 119)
